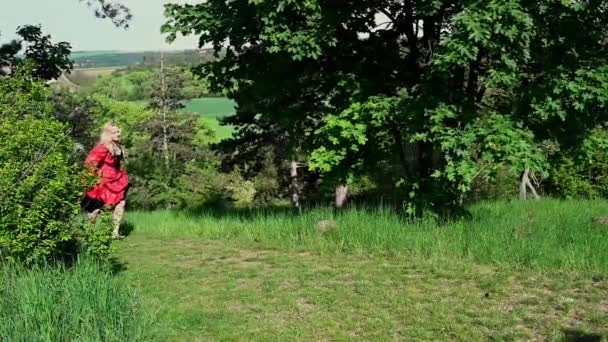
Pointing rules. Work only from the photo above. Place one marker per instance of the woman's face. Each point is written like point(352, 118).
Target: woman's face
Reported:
point(116, 134)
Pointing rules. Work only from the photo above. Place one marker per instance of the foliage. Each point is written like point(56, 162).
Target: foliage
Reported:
point(128, 116)
point(80, 114)
point(450, 92)
point(585, 175)
point(40, 188)
point(20, 96)
point(118, 13)
point(122, 86)
point(40, 177)
point(48, 60)
point(139, 84)
point(96, 239)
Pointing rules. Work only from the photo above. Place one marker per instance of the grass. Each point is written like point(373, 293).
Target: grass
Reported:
point(546, 235)
point(85, 302)
point(535, 271)
point(212, 109)
point(514, 271)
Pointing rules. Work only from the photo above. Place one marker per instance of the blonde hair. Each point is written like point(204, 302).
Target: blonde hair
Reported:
point(105, 138)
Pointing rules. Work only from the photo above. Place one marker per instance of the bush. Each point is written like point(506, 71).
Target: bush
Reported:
point(583, 173)
point(40, 188)
point(41, 181)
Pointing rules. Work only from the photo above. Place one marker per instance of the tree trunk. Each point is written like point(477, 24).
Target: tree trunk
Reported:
point(294, 186)
point(341, 195)
point(163, 107)
point(402, 150)
point(525, 184)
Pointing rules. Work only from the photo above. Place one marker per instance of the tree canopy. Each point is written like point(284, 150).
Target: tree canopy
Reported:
point(48, 60)
point(448, 90)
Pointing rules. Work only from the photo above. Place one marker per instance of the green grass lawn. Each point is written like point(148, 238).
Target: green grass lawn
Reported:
point(513, 271)
point(212, 109)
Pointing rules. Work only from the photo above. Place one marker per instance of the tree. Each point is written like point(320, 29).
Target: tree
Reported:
point(450, 91)
point(118, 13)
point(48, 60)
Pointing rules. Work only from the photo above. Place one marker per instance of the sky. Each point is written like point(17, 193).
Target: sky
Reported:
point(72, 21)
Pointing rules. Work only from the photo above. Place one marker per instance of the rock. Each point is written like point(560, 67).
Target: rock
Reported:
point(601, 219)
point(327, 226)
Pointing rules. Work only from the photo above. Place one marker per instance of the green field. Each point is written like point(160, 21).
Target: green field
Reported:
point(512, 271)
point(99, 59)
point(212, 109)
point(77, 55)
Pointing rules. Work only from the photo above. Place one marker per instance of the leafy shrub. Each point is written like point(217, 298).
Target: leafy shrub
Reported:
point(41, 181)
point(503, 185)
point(583, 172)
point(241, 191)
point(40, 187)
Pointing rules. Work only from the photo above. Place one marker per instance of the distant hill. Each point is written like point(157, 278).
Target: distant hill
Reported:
point(105, 59)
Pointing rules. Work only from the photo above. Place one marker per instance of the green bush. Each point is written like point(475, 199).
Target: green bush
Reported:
point(41, 181)
point(40, 188)
point(583, 173)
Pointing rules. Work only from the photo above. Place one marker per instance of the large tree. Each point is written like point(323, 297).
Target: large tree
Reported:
point(448, 90)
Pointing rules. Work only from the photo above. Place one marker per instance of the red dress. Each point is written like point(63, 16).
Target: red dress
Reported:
point(113, 180)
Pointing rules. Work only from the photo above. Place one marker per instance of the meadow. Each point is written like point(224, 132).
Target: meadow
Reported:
point(510, 271)
point(212, 109)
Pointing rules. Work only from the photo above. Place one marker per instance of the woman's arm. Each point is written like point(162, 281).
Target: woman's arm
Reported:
point(96, 157)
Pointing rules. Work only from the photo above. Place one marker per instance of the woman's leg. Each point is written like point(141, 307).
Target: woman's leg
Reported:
point(92, 208)
point(92, 215)
point(117, 214)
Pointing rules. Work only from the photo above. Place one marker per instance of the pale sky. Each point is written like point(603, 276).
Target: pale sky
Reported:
point(74, 22)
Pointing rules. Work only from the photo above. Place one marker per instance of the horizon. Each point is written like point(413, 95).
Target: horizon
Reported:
point(74, 22)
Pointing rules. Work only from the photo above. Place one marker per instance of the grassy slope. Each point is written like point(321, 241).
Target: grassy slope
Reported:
point(211, 109)
point(514, 271)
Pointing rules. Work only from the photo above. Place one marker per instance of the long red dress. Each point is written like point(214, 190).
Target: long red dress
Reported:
point(113, 181)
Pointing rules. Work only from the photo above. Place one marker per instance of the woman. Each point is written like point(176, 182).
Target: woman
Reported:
point(110, 191)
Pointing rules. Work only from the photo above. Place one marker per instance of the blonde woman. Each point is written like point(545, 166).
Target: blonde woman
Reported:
point(110, 192)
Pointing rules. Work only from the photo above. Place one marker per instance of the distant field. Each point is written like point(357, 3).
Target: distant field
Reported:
point(212, 109)
point(95, 59)
point(87, 76)
point(85, 54)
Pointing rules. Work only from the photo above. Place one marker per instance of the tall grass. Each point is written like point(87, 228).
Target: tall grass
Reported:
point(84, 302)
point(548, 235)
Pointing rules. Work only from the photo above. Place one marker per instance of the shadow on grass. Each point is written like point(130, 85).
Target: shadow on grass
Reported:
point(116, 266)
point(126, 228)
point(329, 212)
point(574, 335)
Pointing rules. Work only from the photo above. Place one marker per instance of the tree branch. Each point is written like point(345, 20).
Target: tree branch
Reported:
point(118, 13)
